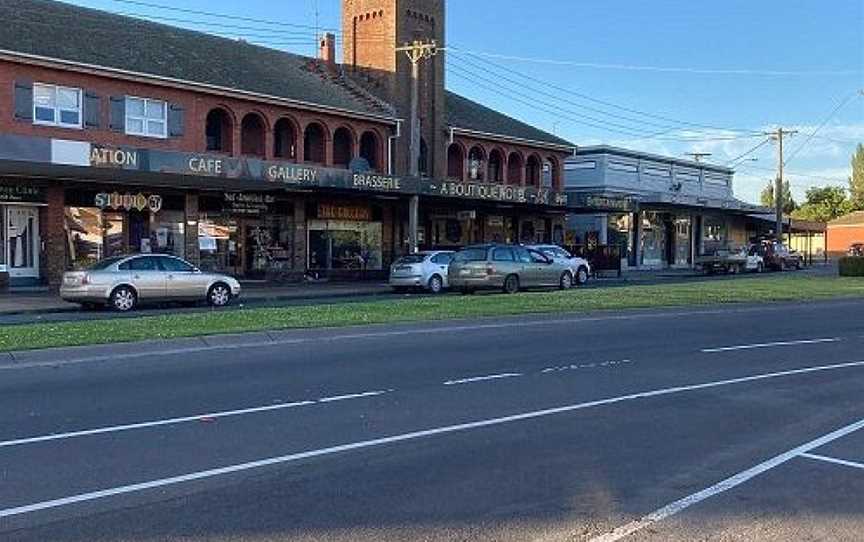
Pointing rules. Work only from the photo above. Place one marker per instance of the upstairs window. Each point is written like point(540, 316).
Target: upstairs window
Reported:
point(146, 117)
point(56, 106)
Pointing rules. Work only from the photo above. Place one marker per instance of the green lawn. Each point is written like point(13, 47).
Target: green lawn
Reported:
point(777, 288)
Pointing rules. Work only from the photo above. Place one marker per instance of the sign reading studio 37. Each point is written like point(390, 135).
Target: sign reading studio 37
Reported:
point(127, 202)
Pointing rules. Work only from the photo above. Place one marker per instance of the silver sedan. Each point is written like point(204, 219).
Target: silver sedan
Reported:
point(421, 270)
point(124, 282)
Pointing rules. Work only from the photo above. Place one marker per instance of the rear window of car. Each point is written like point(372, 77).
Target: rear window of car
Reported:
point(470, 255)
point(411, 259)
point(104, 264)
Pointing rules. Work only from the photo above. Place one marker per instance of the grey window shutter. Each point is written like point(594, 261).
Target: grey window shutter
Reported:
point(117, 121)
point(24, 101)
point(92, 110)
point(176, 120)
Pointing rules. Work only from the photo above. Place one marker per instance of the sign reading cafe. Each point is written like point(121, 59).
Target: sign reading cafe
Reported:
point(127, 201)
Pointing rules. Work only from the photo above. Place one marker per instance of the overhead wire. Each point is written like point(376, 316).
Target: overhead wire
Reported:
point(827, 119)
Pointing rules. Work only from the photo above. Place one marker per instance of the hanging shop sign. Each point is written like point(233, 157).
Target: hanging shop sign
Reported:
point(246, 204)
point(466, 215)
point(339, 212)
point(19, 193)
point(495, 221)
point(128, 202)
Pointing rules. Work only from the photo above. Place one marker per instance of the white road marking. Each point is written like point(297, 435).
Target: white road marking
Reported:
point(834, 460)
point(482, 378)
point(575, 367)
point(768, 345)
point(353, 396)
point(185, 419)
point(725, 485)
point(201, 475)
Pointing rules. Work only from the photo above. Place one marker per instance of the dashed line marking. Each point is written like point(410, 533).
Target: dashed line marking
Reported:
point(768, 345)
point(577, 367)
point(482, 378)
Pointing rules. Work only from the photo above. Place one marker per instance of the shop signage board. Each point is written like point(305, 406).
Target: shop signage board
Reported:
point(344, 212)
point(602, 203)
point(11, 192)
point(128, 202)
point(246, 204)
point(494, 192)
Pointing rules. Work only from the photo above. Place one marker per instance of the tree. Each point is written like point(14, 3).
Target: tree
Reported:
point(856, 181)
point(824, 204)
point(767, 198)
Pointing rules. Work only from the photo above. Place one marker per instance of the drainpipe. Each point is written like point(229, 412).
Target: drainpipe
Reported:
point(390, 141)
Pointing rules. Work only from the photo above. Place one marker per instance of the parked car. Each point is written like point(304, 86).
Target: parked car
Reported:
point(426, 270)
point(732, 261)
point(507, 267)
point(580, 267)
point(778, 257)
point(857, 249)
point(127, 281)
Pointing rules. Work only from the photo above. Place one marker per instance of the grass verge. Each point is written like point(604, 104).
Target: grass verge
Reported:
point(752, 290)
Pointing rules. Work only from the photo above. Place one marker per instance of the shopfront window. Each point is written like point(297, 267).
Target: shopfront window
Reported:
point(683, 229)
point(714, 234)
point(101, 225)
point(653, 242)
point(344, 245)
point(620, 233)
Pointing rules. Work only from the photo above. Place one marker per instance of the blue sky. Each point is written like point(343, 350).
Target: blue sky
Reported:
point(736, 64)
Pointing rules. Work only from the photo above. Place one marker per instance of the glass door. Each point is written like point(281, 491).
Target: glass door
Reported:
point(22, 241)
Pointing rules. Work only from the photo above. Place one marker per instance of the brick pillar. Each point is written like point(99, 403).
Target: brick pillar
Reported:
point(300, 237)
point(54, 255)
point(192, 250)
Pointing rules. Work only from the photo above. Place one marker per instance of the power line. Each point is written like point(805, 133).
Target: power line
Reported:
point(586, 97)
point(731, 162)
point(831, 115)
point(631, 67)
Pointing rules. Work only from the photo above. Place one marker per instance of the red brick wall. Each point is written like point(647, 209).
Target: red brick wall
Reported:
point(556, 158)
point(840, 238)
point(196, 104)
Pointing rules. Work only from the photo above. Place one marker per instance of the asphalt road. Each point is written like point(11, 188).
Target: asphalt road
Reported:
point(742, 423)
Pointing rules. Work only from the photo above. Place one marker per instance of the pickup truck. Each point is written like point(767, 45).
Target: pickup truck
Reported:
point(731, 261)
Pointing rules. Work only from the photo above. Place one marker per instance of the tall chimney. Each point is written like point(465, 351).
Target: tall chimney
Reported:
point(327, 49)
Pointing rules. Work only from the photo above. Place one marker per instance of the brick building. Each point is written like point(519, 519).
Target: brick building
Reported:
point(120, 135)
point(844, 232)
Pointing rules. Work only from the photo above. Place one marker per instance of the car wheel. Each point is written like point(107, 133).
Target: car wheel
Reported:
point(436, 284)
point(797, 265)
point(760, 268)
point(582, 276)
point(124, 299)
point(219, 295)
point(566, 281)
point(511, 284)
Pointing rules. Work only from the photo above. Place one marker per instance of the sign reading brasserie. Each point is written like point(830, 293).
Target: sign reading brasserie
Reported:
point(339, 212)
point(18, 193)
point(241, 203)
point(127, 201)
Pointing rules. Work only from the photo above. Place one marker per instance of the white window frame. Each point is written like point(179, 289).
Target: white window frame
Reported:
point(144, 120)
point(56, 107)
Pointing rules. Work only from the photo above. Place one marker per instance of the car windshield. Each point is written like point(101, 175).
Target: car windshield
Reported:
point(104, 264)
point(411, 259)
point(470, 255)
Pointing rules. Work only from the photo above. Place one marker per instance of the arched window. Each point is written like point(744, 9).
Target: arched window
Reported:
point(284, 140)
point(476, 164)
point(369, 149)
point(455, 162)
point(533, 171)
point(495, 172)
point(343, 147)
point(552, 177)
point(219, 131)
point(313, 144)
point(423, 160)
point(515, 169)
point(252, 135)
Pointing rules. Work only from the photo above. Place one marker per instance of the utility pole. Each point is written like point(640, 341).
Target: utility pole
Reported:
point(698, 156)
point(417, 51)
point(778, 135)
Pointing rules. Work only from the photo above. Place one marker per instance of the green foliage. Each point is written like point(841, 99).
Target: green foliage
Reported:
point(767, 197)
point(824, 204)
point(852, 266)
point(856, 181)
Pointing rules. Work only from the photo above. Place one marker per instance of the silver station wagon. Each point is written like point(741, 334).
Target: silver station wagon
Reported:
point(125, 282)
point(506, 267)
